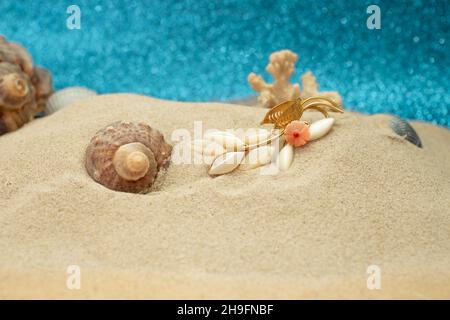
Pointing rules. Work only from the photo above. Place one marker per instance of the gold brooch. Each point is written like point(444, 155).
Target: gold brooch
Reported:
point(258, 148)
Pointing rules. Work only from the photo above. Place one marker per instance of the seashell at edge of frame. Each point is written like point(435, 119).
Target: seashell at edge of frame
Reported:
point(404, 129)
point(67, 96)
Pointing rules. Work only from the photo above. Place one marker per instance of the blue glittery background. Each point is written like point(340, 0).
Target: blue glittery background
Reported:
point(202, 50)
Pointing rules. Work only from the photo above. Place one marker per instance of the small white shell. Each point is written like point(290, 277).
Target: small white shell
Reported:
point(285, 157)
point(226, 163)
point(257, 157)
point(257, 136)
point(229, 141)
point(65, 97)
point(320, 128)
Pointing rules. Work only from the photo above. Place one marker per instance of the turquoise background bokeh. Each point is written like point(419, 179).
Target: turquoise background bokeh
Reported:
point(202, 50)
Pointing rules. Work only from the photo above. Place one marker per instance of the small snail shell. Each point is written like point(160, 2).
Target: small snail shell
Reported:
point(127, 156)
point(65, 97)
point(16, 89)
point(24, 88)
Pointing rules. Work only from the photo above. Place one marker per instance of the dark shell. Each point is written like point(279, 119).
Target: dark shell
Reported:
point(404, 129)
point(103, 146)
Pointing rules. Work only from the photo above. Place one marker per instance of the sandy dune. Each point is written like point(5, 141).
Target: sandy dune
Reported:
point(359, 196)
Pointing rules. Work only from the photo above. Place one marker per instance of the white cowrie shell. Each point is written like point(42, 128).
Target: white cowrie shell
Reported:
point(285, 157)
point(226, 163)
point(320, 128)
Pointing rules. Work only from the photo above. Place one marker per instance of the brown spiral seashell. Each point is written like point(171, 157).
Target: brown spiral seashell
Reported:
point(17, 104)
point(24, 88)
point(13, 53)
point(16, 89)
point(127, 156)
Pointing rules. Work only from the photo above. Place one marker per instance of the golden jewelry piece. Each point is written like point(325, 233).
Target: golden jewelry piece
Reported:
point(285, 119)
point(284, 113)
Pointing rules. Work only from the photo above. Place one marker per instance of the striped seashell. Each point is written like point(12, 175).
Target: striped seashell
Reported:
point(127, 156)
point(404, 129)
point(65, 97)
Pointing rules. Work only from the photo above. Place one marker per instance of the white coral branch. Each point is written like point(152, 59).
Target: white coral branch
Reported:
point(311, 88)
point(281, 67)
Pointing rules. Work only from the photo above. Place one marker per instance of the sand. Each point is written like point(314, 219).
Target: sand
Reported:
point(358, 197)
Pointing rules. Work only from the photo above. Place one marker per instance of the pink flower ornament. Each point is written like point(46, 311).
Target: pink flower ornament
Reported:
point(297, 133)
